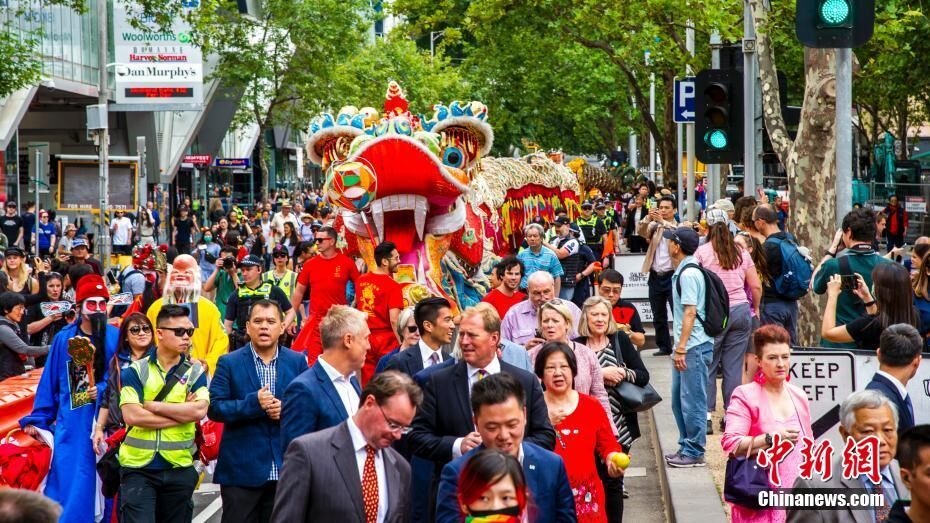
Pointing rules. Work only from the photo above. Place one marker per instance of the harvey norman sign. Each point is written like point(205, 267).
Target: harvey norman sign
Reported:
point(156, 70)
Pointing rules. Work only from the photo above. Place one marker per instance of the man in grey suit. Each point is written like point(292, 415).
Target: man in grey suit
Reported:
point(350, 472)
point(864, 413)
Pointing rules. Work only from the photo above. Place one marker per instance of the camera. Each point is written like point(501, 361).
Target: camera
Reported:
point(229, 263)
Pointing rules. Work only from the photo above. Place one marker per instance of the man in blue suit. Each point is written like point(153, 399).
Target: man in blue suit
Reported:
point(433, 317)
point(328, 393)
point(245, 394)
point(500, 418)
point(898, 360)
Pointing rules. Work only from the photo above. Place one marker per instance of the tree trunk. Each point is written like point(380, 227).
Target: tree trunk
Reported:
point(810, 160)
point(262, 159)
point(668, 144)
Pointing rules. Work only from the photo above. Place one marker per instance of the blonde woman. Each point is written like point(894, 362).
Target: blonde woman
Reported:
point(555, 324)
point(15, 268)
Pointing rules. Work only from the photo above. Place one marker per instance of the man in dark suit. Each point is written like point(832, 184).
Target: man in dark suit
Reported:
point(444, 428)
point(500, 418)
point(914, 458)
point(434, 321)
point(244, 396)
point(350, 472)
point(898, 360)
point(329, 392)
point(863, 414)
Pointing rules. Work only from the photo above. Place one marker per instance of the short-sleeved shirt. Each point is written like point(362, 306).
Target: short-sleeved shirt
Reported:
point(865, 332)
point(46, 231)
point(11, 227)
point(625, 313)
point(733, 279)
point(501, 302)
point(693, 292)
point(224, 289)
point(544, 260)
point(774, 263)
point(132, 392)
point(122, 231)
point(376, 295)
point(276, 295)
point(326, 281)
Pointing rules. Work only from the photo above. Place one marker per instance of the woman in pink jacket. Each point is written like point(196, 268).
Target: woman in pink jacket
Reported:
point(764, 407)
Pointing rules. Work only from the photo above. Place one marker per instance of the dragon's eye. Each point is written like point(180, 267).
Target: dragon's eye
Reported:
point(453, 157)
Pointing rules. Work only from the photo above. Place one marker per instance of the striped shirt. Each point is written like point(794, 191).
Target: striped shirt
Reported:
point(267, 376)
point(545, 260)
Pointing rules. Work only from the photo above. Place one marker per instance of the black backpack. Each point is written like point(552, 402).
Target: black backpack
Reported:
point(716, 301)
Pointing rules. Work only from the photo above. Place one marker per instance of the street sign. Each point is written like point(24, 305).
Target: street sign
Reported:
point(828, 377)
point(684, 100)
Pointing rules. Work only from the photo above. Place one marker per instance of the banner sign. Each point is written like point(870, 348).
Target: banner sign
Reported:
point(635, 282)
point(197, 159)
point(233, 163)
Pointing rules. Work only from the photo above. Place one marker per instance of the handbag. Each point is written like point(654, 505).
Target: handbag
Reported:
point(743, 481)
point(632, 397)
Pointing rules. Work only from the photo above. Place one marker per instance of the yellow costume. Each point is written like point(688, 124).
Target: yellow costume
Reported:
point(210, 341)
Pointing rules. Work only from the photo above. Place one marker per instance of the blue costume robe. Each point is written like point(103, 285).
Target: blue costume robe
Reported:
point(72, 479)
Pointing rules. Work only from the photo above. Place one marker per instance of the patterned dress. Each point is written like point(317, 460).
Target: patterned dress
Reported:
point(578, 436)
point(607, 358)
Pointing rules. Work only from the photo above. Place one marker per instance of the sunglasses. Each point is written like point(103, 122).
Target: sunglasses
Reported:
point(280, 255)
point(179, 331)
point(140, 329)
point(321, 240)
point(412, 329)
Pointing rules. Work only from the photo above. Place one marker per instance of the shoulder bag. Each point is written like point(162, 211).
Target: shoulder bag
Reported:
point(632, 397)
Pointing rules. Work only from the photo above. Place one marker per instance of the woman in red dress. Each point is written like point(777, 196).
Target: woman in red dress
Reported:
point(581, 428)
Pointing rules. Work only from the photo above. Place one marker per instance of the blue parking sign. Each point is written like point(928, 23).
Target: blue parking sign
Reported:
point(684, 100)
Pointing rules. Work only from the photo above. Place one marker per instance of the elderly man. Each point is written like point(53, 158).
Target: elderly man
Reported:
point(328, 392)
point(535, 258)
point(863, 414)
point(521, 325)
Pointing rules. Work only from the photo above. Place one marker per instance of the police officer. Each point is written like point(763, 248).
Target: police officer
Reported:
point(250, 291)
point(592, 228)
point(280, 276)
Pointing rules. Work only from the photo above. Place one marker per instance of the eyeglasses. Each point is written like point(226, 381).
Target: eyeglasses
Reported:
point(140, 329)
point(321, 240)
point(554, 301)
point(412, 329)
point(610, 290)
point(393, 425)
point(95, 305)
point(178, 331)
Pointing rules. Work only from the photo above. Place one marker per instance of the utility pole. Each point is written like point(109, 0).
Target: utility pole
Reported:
point(844, 133)
point(634, 147)
point(689, 130)
point(433, 36)
point(652, 113)
point(103, 135)
point(750, 177)
point(143, 188)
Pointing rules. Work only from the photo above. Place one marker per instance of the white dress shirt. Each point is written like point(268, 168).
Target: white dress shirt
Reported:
point(426, 351)
point(359, 443)
point(492, 368)
point(343, 387)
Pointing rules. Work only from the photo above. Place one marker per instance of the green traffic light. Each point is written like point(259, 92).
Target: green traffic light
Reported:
point(834, 13)
point(716, 139)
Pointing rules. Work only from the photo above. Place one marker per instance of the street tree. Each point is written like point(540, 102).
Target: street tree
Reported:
point(282, 61)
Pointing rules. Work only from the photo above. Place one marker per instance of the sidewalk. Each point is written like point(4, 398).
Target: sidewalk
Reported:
point(689, 494)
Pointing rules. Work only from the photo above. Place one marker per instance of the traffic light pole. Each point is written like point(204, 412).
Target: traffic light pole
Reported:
point(712, 185)
point(749, 102)
point(843, 133)
point(103, 233)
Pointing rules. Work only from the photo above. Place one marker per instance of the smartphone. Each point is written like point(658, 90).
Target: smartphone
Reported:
point(849, 282)
point(538, 334)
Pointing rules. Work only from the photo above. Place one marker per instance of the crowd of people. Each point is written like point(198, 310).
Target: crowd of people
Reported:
point(334, 400)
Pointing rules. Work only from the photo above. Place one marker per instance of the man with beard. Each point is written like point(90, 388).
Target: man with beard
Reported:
point(182, 287)
point(64, 405)
point(380, 297)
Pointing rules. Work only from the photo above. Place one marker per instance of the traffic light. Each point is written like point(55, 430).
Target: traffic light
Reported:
point(618, 158)
point(718, 124)
point(834, 24)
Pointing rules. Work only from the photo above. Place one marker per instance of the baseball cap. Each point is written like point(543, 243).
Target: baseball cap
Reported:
point(78, 242)
point(725, 205)
point(562, 220)
point(685, 237)
point(716, 215)
point(251, 261)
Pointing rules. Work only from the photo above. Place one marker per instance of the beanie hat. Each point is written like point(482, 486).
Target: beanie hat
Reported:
point(91, 286)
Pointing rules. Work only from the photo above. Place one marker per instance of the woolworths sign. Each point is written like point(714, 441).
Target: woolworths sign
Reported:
point(156, 70)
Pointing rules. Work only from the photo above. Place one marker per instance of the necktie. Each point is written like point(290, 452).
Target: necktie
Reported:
point(482, 374)
point(370, 486)
point(881, 511)
point(433, 358)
